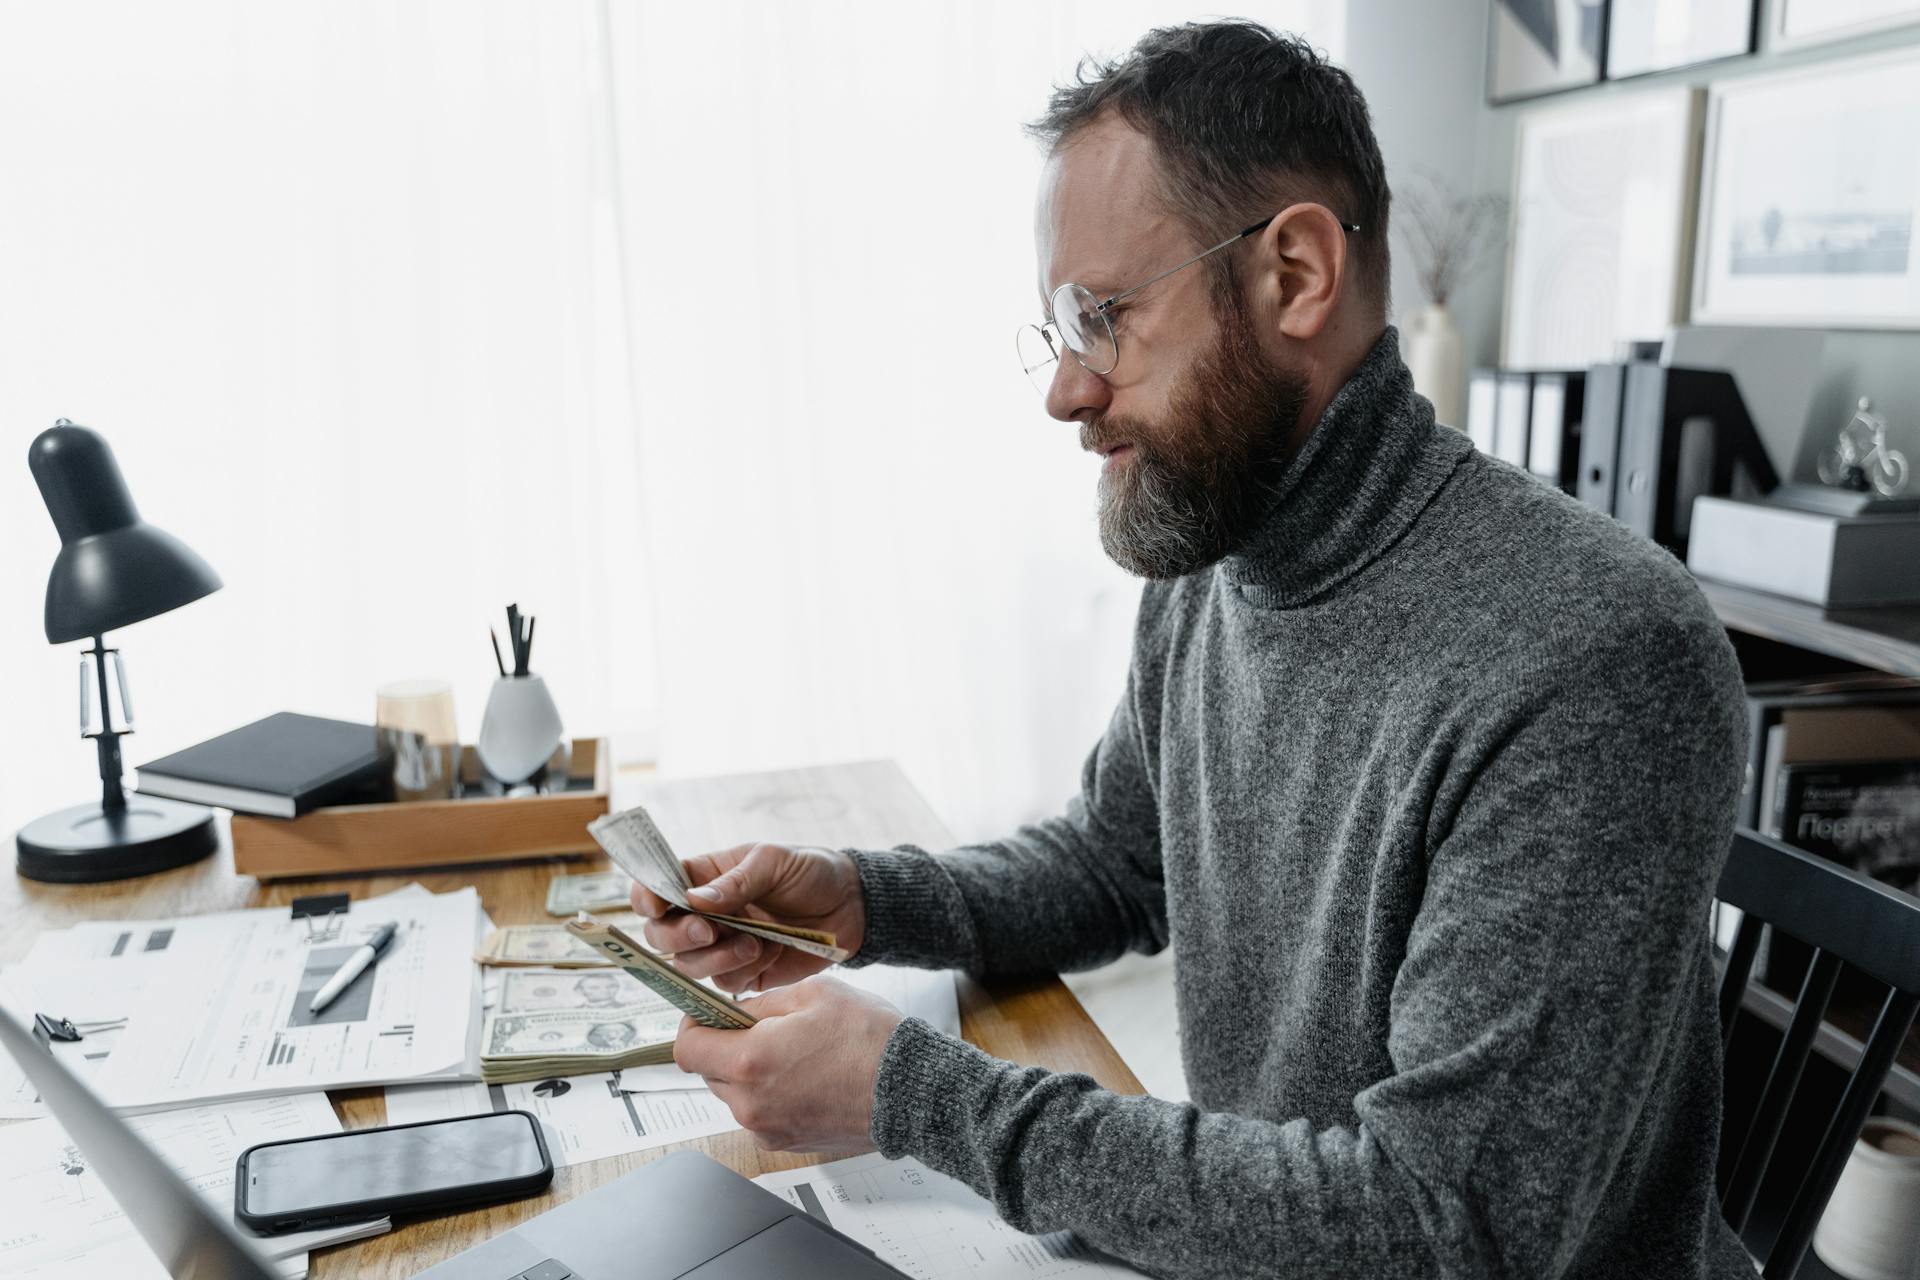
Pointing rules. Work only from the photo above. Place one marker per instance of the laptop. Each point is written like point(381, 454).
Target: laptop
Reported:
point(681, 1216)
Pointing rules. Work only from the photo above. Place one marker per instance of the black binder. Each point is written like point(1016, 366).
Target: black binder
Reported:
point(1600, 436)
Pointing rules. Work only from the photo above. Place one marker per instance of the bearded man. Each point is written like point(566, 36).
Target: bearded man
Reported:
point(1425, 772)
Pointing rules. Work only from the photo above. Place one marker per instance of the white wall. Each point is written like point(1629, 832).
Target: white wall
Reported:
point(1421, 66)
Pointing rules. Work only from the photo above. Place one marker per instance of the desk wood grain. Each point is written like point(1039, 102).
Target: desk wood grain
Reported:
point(871, 804)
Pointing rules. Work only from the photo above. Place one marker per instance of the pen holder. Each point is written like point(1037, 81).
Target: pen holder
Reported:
point(520, 729)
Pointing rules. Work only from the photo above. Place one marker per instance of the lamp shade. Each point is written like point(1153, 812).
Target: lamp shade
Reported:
point(114, 568)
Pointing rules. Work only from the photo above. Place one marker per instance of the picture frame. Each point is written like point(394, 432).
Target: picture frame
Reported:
point(1810, 197)
point(1541, 47)
point(1797, 23)
point(1646, 37)
point(1599, 251)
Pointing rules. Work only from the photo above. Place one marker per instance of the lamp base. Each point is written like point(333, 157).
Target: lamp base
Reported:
point(86, 844)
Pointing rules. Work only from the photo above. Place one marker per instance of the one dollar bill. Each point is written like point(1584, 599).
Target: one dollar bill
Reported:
point(636, 846)
point(708, 1008)
point(598, 891)
point(539, 944)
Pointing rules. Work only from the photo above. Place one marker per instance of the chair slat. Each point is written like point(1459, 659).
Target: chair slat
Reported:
point(1830, 1158)
point(1788, 1063)
point(1733, 983)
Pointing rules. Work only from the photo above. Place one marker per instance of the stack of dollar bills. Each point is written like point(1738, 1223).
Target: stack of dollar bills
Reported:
point(569, 1022)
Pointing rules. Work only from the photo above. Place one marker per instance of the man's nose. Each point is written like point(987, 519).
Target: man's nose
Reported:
point(1074, 388)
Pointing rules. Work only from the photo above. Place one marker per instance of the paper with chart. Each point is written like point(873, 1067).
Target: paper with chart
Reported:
point(582, 1117)
point(57, 1219)
point(217, 1005)
point(931, 1226)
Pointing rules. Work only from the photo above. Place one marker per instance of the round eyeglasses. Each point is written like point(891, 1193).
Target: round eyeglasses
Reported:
point(1079, 324)
point(1082, 324)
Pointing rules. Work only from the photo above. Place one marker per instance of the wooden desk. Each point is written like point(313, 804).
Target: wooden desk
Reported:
point(1034, 1021)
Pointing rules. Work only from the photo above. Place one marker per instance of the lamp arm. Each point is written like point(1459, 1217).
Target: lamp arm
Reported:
point(113, 796)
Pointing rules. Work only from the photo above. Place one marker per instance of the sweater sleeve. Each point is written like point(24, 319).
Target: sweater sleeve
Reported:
point(1071, 892)
point(1570, 865)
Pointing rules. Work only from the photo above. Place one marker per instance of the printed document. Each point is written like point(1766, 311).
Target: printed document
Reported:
point(216, 1006)
point(582, 1118)
point(931, 1226)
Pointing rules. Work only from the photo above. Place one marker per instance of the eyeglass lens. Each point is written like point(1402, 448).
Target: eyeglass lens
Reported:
point(1077, 324)
point(1084, 328)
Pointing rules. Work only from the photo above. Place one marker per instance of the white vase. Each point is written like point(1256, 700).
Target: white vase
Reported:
point(1438, 359)
point(520, 730)
point(1871, 1229)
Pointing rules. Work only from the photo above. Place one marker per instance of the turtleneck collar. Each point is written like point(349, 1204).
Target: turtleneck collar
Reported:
point(1373, 462)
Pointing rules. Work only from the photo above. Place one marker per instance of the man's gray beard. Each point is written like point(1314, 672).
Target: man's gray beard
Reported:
point(1200, 483)
point(1150, 528)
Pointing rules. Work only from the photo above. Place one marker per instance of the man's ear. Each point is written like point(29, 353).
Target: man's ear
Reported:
point(1300, 263)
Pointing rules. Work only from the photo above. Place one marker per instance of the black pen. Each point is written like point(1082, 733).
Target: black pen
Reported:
point(491, 635)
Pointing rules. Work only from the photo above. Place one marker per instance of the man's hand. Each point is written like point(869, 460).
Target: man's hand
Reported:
point(802, 1078)
point(810, 887)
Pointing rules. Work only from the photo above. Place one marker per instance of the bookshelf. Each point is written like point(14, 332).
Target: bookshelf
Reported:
point(1882, 639)
point(1886, 639)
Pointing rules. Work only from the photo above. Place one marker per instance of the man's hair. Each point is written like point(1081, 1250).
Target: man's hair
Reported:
point(1244, 120)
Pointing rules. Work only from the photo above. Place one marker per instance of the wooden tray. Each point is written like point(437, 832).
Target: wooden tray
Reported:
point(347, 838)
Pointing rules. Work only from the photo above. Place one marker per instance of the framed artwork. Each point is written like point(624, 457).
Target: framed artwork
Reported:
point(1602, 223)
point(1811, 196)
point(1644, 36)
point(1797, 22)
point(1542, 46)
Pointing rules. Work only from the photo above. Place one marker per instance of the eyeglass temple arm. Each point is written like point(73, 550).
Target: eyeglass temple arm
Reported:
point(1235, 238)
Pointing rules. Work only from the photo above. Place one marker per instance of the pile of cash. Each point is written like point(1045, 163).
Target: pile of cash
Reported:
point(548, 945)
point(561, 1022)
point(705, 1006)
point(636, 846)
point(598, 891)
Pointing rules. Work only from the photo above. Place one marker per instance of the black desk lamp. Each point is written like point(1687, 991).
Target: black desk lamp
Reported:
point(114, 570)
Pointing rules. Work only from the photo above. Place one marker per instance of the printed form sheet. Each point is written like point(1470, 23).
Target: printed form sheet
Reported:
point(582, 1118)
point(216, 1006)
point(931, 1226)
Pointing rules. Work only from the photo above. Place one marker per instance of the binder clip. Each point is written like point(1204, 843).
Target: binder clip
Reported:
point(325, 914)
point(47, 1028)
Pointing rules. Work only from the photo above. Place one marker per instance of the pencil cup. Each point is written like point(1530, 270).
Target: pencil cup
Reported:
point(520, 730)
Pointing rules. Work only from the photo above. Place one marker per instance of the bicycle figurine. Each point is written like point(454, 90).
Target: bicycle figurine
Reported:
point(1859, 459)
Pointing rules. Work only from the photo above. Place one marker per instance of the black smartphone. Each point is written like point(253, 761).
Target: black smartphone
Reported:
point(398, 1169)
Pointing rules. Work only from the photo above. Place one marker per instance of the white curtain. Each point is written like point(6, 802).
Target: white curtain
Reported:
point(687, 326)
point(338, 282)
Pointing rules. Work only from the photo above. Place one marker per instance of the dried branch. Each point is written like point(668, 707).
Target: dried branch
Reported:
point(1449, 236)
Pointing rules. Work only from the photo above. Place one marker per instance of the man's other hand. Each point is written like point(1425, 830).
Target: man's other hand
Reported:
point(802, 1078)
point(810, 887)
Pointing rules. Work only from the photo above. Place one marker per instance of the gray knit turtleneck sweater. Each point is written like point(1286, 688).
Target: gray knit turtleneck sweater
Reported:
point(1428, 787)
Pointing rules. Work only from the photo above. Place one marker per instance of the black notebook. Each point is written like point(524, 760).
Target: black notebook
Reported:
point(281, 767)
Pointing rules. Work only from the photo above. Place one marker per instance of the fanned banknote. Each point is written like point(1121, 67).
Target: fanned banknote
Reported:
point(706, 1007)
point(636, 846)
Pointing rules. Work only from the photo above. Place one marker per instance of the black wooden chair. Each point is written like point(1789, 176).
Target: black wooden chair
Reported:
point(1847, 919)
